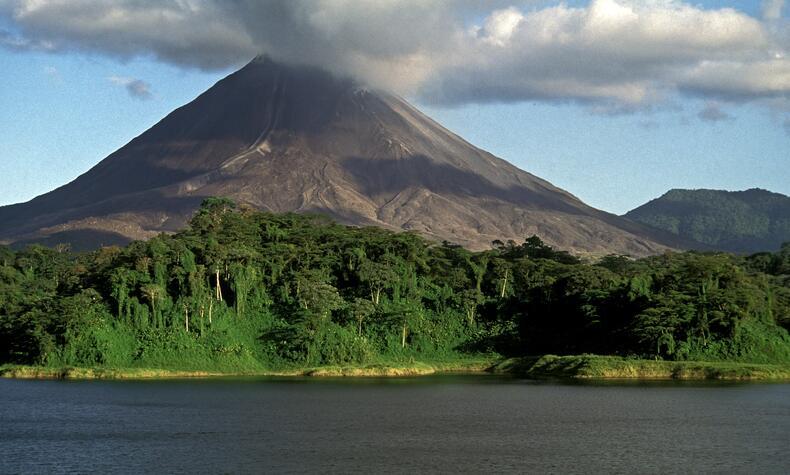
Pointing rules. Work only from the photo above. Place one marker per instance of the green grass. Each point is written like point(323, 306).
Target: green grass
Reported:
point(543, 367)
point(67, 372)
point(380, 369)
point(409, 368)
point(615, 367)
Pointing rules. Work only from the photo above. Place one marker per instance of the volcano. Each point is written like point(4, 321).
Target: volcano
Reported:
point(280, 138)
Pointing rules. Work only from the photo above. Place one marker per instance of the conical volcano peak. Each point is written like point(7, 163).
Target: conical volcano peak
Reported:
point(297, 97)
point(260, 58)
point(264, 67)
point(289, 137)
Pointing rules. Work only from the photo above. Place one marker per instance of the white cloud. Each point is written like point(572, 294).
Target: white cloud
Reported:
point(772, 9)
point(136, 88)
point(626, 52)
point(500, 26)
point(616, 55)
point(17, 43)
point(740, 80)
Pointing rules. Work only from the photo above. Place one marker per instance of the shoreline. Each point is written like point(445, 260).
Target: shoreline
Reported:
point(602, 367)
point(370, 370)
point(546, 367)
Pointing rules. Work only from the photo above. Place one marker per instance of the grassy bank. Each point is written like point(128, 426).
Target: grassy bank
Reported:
point(407, 369)
point(389, 369)
point(543, 367)
point(615, 367)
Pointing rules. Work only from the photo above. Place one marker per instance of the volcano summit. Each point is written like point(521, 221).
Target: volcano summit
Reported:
point(293, 138)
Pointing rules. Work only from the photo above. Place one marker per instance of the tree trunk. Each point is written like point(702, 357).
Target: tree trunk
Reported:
point(210, 306)
point(219, 289)
point(186, 318)
point(470, 316)
point(504, 285)
point(403, 336)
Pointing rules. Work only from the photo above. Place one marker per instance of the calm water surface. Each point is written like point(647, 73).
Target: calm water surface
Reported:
point(434, 424)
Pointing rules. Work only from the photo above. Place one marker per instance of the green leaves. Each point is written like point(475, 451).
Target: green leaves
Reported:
point(242, 287)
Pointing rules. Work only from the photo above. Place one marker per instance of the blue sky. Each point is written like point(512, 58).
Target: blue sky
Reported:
point(64, 108)
point(60, 114)
point(618, 163)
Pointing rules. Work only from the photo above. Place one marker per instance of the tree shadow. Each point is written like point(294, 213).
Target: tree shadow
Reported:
point(78, 240)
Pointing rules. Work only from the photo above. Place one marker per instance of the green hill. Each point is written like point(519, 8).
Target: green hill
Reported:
point(737, 221)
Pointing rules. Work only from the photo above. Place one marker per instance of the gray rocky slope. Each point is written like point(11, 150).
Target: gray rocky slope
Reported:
point(293, 138)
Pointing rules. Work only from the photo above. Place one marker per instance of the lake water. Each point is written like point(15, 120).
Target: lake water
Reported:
point(431, 424)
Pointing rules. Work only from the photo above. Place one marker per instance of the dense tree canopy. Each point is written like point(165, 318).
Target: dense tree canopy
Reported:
point(242, 289)
point(737, 221)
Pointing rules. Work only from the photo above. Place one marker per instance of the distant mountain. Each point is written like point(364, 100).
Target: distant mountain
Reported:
point(291, 138)
point(737, 221)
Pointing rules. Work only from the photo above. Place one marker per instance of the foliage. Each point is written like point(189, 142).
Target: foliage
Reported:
point(242, 290)
point(742, 221)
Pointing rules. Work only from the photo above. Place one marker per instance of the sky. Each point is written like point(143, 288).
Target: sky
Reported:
point(616, 101)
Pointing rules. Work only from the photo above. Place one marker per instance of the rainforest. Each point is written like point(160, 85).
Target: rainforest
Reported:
point(242, 291)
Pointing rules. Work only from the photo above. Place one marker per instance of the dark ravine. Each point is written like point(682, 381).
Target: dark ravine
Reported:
point(291, 138)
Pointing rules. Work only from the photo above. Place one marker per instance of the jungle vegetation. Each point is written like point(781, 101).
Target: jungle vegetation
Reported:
point(243, 290)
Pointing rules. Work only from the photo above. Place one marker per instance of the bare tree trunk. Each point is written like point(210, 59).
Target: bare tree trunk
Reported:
point(470, 316)
point(186, 318)
point(210, 306)
point(504, 285)
point(219, 288)
point(403, 336)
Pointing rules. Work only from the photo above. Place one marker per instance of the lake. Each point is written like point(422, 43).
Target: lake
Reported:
point(429, 424)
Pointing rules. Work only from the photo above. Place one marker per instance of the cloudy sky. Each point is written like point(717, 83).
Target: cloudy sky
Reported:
point(615, 100)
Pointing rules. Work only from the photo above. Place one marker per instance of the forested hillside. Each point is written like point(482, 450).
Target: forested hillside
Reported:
point(735, 221)
point(241, 289)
